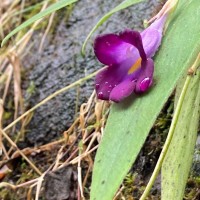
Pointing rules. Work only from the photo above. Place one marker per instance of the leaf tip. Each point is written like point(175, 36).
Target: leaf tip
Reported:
point(83, 50)
point(3, 42)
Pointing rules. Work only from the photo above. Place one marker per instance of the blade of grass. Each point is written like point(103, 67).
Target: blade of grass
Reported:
point(121, 6)
point(29, 8)
point(80, 81)
point(20, 152)
point(178, 160)
point(1, 116)
point(18, 99)
point(175, 120)
point(46, 31)
point(54, 7)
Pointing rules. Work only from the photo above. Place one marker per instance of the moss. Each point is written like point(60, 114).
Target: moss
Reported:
point(7, 115)
point(31, 88)
point(7, 194)
point(192, 191)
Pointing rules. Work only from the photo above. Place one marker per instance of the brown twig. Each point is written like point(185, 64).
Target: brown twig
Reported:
point(20, 152)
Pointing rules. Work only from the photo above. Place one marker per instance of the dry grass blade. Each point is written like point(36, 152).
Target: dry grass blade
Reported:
point(18, 100)
point(22, 43)
point(51, 97)
point(14, 187)
point(1, 115)
point(39, 185)
point(80, 176)
point(7, 8)
point(90, 163)
point(58, 158)
point(94, 137)
point(77, 154)
point(83, 111)
point(22, 7)
point(8, 74)
point(5, 3)
point(46, 147)
point(10, 60)
point(21, 133)
point(5, 184)
point(119, 193)
point(5, 152)
point(46, 31)
point(75, 160)
point(20, 152)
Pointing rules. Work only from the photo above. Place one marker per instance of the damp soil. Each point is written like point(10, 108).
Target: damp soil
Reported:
point(60, 63)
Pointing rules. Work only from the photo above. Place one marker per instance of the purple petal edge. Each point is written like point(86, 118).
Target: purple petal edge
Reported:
point(134, 38)
point(123, 90)
point(152, 36)
point(110, 49)
point(145, 79)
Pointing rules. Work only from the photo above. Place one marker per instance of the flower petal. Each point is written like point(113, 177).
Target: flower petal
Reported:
point(134, 38)
point(110, 77)
point(158, 24)
point(145, 79)
point(123, 90)
point(151, 41)
point(126, 55)
point(152, 36)
point(110, 49)
point(106, 80)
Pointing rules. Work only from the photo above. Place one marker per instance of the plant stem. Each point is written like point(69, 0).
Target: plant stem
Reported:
point(171, 130)
point(51, 97)
point(3, 132)
point(20, 152)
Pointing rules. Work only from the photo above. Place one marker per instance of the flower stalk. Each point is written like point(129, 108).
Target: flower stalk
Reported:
point(172, 128)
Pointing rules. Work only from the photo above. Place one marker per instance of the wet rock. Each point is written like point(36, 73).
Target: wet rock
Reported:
point(59, 185)
point(60, 64)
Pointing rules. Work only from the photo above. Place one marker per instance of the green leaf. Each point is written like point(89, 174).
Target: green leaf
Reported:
point(178, 161)
point(130, 121)
point(121, 6)
point(179, 88)
point(54, 7)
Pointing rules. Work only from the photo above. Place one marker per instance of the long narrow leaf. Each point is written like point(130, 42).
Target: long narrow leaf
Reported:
point(130, 121)
point(121, 6)
point(176, 166)
point(54, 7)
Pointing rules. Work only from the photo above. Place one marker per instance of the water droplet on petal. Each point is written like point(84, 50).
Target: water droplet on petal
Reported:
point(145, 84)
point(97, 86)
point(106, 83)
point(108, 91)
point(131, 48)
point(110, 86)
point(129, 51)
point(100, 95)
point(108, 43)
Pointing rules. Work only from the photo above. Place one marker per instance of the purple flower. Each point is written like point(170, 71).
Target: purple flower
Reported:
point(128, 59)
